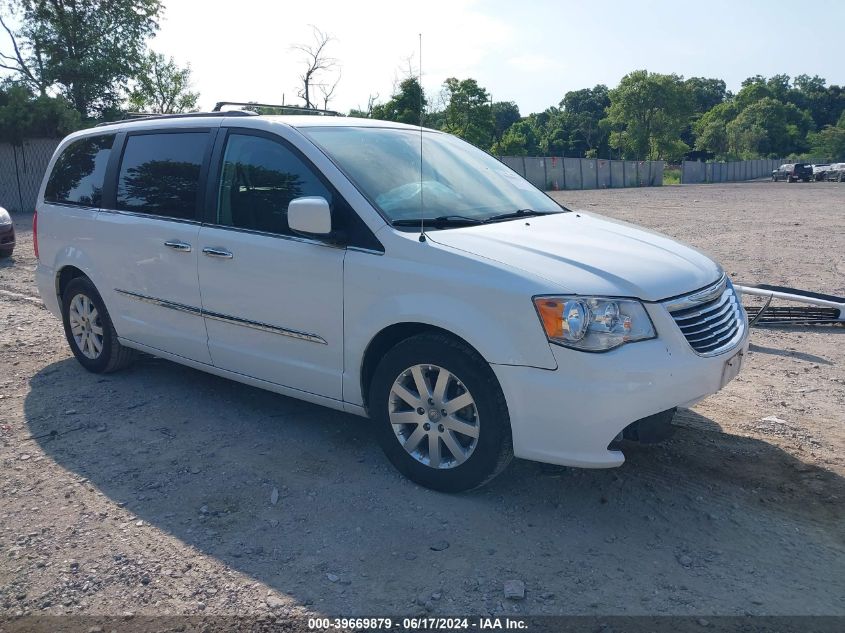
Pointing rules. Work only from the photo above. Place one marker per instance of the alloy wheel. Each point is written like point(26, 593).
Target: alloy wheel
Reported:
point(85, 326)
point(434, 416)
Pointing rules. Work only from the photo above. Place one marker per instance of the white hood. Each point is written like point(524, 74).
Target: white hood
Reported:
point(590, 255)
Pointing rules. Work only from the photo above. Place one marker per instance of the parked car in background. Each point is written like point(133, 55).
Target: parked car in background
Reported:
point(793, 172)
point(820, 171)
point(835, 172)
point(295, 254)
point(7, 233)
point(781, 172)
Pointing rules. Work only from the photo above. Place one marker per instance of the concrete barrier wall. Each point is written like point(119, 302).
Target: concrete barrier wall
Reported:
point(617, 173)
point(603, 174)
point(22, 168)
point(572, 173)
point(554, 173)
point(557, 173)
point(589, 173)
point(693, 172)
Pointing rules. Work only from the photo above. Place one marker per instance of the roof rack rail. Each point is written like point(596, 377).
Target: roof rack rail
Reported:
point(303, 110)
point(141, 116)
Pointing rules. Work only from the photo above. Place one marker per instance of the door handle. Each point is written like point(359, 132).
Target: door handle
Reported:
point(212, 251)
point(178, 245)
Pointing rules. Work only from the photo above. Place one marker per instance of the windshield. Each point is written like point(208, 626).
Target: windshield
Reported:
point(458, 180)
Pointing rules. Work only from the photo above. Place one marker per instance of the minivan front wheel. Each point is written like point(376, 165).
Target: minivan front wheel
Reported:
point(89, 330)
point(441, 416)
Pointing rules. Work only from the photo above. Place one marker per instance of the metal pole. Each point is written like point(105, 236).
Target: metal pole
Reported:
point(18, 178)
point(545, 175)
point(563, 164)
point(581, 170)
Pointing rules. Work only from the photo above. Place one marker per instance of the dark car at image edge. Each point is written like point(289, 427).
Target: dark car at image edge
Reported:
point(7, 234)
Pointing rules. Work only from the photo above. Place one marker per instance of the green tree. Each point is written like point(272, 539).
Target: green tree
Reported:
point(711, 130)
point(404, 106)
point(753, 89)
point(26, 115)
point(829, 142)
point(520, 139)
point(770, 128)
point(647, 114)
point(706, 93)
point(505, 114)
point(579, 127)
point(825, 103)
point(468, 113)
point(780, 87)
point(86, 49)
point(162, 86)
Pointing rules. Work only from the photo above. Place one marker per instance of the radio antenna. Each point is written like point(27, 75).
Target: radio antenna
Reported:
point(422, 214)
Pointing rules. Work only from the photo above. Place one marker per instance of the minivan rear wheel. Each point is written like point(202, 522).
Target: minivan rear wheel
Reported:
point(441, 417)
point(89, 330)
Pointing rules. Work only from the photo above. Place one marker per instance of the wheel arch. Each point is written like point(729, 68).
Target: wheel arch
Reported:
point(390, 336)
point(64, 276)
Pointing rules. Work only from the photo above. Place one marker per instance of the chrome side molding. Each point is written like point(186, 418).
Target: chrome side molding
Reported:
point(255, 325)
point(266, 327)
point(180, 307)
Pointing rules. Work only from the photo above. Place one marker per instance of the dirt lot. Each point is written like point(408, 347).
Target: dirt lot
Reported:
point(149, 491)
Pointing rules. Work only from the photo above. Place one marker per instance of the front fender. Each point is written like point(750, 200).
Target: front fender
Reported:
point(498, 320)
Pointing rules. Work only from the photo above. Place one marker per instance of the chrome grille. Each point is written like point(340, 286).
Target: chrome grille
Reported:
point(712, 320)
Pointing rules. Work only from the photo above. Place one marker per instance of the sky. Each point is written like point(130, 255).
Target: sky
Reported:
point(530, 51)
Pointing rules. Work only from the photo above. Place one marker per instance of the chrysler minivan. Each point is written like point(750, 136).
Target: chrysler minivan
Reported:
point(391, 272)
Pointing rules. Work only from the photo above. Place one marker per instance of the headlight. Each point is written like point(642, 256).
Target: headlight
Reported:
point(593, 324)
point(5, 218)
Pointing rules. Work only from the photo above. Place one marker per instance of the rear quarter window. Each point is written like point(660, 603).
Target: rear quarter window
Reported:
point(160, 173)
point(77, 176)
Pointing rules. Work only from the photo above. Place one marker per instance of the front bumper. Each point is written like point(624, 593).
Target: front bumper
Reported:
point(569, 416)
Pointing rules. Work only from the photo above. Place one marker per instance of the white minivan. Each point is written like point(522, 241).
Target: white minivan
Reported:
point(390, 272)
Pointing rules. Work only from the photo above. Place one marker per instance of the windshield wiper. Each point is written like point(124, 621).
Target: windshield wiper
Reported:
point(519, 213)
point(443, 220)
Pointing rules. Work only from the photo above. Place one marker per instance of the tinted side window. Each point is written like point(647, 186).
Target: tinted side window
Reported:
point(258, 180)
point(159, 174)
point(77, 176)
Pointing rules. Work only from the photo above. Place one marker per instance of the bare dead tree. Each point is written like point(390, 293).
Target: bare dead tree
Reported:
point(328, 92)
point(316, 62)
point(371, 102)
point(16, 62)
point(406, 70)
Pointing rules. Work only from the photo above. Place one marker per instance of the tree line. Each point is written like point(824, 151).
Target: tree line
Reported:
point(71, 63)
point(648, 116)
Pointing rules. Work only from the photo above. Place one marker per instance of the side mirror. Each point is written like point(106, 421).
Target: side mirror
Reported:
point(310, 215)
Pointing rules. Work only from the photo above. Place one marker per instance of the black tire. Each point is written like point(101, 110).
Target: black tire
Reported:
point(5, 254)
point(494, 445)
point(113, 356)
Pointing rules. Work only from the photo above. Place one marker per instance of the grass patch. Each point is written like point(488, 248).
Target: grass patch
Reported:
point(672, 176)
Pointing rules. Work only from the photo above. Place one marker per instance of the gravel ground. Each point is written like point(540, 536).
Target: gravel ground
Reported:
point(164, 490)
